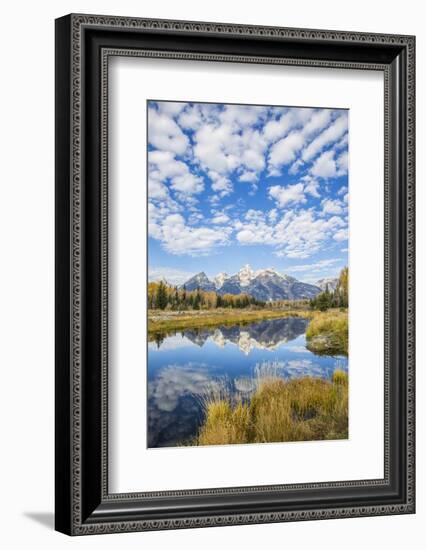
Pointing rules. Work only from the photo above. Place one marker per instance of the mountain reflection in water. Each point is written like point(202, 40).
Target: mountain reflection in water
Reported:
point(262, 335)
point(190, 364)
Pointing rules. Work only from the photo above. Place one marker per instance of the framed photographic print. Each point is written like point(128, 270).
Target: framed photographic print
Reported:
point(234, 274)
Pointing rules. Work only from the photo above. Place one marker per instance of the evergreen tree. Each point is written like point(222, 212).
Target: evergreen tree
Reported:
point(161, 298)
point(322, 301)
point(197, 300)
point(337, 298)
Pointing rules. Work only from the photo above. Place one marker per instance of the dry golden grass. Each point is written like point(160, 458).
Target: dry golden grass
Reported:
point(327, 332)
point(304, 409)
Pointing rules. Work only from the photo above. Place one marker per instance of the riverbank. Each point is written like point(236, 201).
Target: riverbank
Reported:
point(166, 321)
point(327, 332)
point(304, 409)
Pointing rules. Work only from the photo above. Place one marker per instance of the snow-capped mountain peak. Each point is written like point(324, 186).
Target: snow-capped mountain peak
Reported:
point(264, 284)
point(268, 271)
point(200, 280)
point(220, 279)
point(200, 276)
point(246, 275)
point(329, 283)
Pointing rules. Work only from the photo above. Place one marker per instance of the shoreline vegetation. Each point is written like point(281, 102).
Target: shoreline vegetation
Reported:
point(304, 409)
point(326, 333)
point(171, 309)
point(308, 408)
point(169, 321)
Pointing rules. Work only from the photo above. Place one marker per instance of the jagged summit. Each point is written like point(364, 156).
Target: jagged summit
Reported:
point(263, 284)
point(246, 275)
point(200, 280)
point(329, 282)
point(220, 279)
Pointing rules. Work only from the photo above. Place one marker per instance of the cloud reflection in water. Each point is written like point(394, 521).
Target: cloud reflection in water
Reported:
point(187, 366)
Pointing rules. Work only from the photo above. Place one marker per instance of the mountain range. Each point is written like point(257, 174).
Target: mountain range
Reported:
point(263, 284)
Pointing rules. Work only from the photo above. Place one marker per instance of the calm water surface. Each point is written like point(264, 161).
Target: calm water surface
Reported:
point(190, 364)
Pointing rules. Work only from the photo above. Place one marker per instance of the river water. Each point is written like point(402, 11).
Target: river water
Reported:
point(185, 367)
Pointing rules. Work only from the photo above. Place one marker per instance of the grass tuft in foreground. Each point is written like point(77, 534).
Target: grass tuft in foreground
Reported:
point(304, 409)
point(327, 333)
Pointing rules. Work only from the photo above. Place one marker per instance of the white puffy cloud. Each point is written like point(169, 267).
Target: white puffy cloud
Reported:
point(284, 195)
point(328, 136)
point(250, 177)
point(284, 151)
point(273, 215)
point(179, 238)
point(191, 118)
point(230, 146)
point(188, 184)
point(277, 128)
point(253, 160)
point(157, 189)
point(297, 234)
point(330, 206)
point(220, 184)
point(165, 134)
point(225, 141)
point(214, 148)
point(254, 215)
point(319, 120)
point(157, 212)
point(302, 233)
point(324, 166)
point(242, 115)
point(211, 148)
point(220, 218)
point(327, 166)
point(163, 166)
point(171, 108)
point(246, 236)
point(342, 164)
point(296, 166)
point(311, 185)
point(287, 120)
point(341, 235)
point(255, 229)
point(194, 217)
point(342, 143)
point(235, 142)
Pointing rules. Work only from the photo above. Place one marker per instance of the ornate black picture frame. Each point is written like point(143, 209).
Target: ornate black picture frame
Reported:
point(83, 45)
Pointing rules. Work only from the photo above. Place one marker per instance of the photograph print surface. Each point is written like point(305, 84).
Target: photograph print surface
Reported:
point(248, 274)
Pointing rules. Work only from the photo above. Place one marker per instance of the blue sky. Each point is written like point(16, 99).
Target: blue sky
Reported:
point(230, 185)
